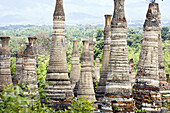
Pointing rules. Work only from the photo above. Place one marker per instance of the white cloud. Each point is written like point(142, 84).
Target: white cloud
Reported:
point(91, 11)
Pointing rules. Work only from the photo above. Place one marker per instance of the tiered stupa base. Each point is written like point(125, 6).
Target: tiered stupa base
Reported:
point(101, 87)
point(5, 72)
point(144, 98)
point(115, 104)
point(59, 90)
point(59, 86)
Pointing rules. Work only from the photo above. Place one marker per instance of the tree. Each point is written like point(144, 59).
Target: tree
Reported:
point(17, 44)
point(14, 100)
point(12, 66)
point(166, 55)
point(165, 33)
point(43, 43)
point(98, 49)
point(99, 34)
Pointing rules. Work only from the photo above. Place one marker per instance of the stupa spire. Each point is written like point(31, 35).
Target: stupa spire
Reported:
point(57, 74)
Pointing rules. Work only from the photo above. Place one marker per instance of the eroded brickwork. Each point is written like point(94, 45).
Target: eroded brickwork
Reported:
point(60, 87)
point(146, 89)
point(32, 40)
point(85, 87)
point(5, 73)
point(163, 82)
point(75, 67)
point(29, 74)
point(118, 85)
point(162, 76)
point(91, 47)
point(19, 67)
point(105, 60)
point(132, 72)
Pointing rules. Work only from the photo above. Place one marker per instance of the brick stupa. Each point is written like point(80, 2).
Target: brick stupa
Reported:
point(29, 74)
point(162, 75)
point(75, 67)
point(20, 60)
point(19, 67)
point(105, 60)
point(60, 87)
point(85, 87)
point(118, 85)
point(91, 49)
point(5, 72)
point(146, 89)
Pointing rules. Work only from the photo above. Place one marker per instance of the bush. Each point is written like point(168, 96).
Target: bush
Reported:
point(14, 100)
point(79, 105)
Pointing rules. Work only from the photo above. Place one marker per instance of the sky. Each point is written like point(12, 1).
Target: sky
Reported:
point(40, 12)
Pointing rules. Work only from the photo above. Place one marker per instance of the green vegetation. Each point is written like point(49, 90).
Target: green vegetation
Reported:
point(165, 33)
point(79, 105)
point(140, 111)
point(115, 109)
point(14, 99)
point(12, 65)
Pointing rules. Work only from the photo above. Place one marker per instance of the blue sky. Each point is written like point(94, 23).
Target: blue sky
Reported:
point(40, 12)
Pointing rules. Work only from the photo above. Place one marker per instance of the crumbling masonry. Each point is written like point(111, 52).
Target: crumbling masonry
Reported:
point(29, 74)
point(75, 67)
point(132, 71)
point(146, 89)
point(85, 87)
point(118, 85)
point(5, 73)
point(20, 60)
point(91, 46)
point(19, 67)
point(163, 79)
point(105, 60)
point(162, 76)
point(57, 74)
point(32, 40)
